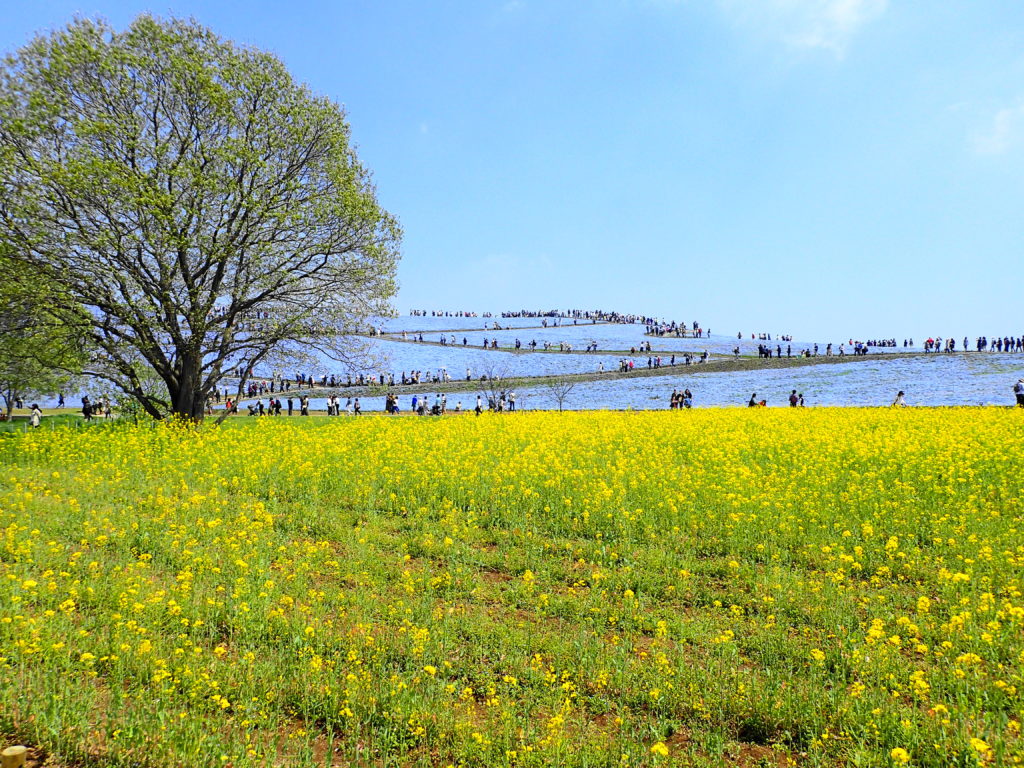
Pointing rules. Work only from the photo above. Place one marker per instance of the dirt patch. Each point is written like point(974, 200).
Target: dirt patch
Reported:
point(679, 740)
point(748, 755)
point(741, 754)
point(495, 576)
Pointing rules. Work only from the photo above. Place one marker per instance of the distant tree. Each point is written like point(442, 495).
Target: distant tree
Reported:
point(207, 212)
point(39, 352)
point(493, 382)
point(559, 388)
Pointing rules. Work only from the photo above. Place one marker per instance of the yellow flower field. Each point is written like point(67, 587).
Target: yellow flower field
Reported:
point(753, 587)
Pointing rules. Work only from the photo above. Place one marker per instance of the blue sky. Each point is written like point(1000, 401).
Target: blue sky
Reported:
point(825, 168)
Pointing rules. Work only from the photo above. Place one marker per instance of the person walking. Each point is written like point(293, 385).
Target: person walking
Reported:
point(1018, 391)
point(794, 399)
point(900, 401)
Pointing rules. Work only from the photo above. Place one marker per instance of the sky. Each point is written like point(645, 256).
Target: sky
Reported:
point(829, 169)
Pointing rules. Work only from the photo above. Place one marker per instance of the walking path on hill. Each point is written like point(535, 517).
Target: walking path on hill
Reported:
point(526, 350)
point(720, 364)
point(478, 329)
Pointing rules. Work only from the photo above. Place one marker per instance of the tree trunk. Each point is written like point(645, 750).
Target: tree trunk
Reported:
point(189, 400)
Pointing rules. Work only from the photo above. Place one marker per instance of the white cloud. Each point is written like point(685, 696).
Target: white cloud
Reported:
point(1004, 131)
point(815, 24)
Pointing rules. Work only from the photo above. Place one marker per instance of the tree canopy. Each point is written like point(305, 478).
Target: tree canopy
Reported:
point(39, 351)
point(206, 212)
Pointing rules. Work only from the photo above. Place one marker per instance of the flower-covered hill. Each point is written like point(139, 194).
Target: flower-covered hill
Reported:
point(708, 587)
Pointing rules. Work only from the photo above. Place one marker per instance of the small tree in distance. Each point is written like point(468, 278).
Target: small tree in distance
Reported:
point(560, 388)
point(207, 212)
point(492, 382)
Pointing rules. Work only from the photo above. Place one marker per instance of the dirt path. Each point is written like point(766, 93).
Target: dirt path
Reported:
point(720, 364)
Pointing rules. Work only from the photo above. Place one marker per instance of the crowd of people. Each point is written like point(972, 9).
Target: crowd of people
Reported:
point(682, 399)
point(796, 400)
point(277, 384)
point(765, 351)
point(627, 364)
point(931, 345)
point(1004, 344)
point(765, 337)
point(593, 315)
point(436, 313)
point(518, 344)
point(679, 330)
point(91, 409)
point(275, 407)
point(275, 387)
point(498, 402)
point(981, 344)
point(418, 404)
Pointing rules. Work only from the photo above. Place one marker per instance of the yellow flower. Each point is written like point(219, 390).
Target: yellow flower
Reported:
point(660, 748)
point(900, 756)
point(980, 746)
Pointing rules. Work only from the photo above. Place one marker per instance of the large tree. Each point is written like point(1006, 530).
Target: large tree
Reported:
point(206, 211)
